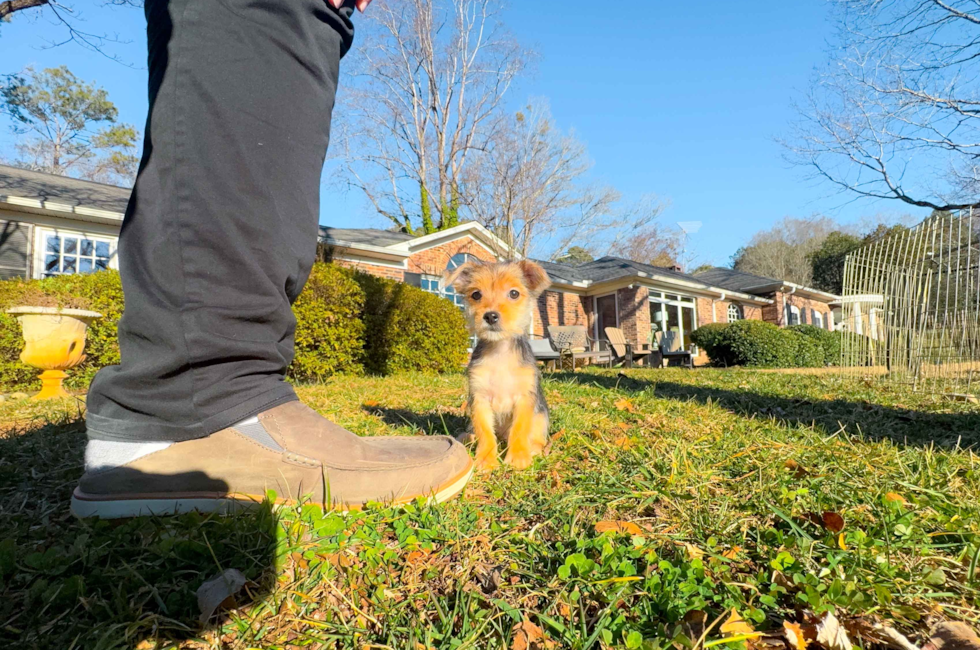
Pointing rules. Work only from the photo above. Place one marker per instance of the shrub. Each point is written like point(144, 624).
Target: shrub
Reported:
point(708, 338)
point(756, 343)
point(329, 327)
point(101, 292)
point(807, 352)
point(410, 329)
point(829, 341)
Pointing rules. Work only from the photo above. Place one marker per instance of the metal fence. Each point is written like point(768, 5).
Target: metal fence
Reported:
point(911, 306)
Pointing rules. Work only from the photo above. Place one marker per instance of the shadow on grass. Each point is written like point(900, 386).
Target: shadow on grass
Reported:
point(430, 423)
point(875, 421)
point(66, 582)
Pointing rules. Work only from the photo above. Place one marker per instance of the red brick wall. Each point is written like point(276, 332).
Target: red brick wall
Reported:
point(374, 269)
point(634, 314)
point(803, 304)
point(560, 308)
point(749, 312)
point(433, 261)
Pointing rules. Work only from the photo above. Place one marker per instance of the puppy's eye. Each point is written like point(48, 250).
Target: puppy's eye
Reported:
point(514, 294)
point(476, 295)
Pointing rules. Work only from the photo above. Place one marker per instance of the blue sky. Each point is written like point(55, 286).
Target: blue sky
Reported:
point(682, 100)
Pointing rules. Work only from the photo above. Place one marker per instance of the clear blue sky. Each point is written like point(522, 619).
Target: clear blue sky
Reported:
point(680, 99)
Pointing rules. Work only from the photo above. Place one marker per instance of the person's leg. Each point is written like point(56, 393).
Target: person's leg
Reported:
point(218, 240)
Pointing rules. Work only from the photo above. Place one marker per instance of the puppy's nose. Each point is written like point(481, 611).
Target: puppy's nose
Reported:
point(491, 317)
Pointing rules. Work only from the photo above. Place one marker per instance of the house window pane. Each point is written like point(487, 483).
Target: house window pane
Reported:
point(51, 263)
point(687, 313)
point(71, 245)
point(605, 314)
point(53, 244)
point(673, 318)
point(74, 254)
point(102, 248)
point(87, 247)
point(734, 313)
point(68, 264)
point(85, 265)
point(101, 263)
point(657, 315)
point(670, 297)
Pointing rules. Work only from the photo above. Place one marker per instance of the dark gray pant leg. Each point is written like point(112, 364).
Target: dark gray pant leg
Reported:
point(220, 233)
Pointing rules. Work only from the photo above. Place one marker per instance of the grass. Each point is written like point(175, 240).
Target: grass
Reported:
point(725, 484)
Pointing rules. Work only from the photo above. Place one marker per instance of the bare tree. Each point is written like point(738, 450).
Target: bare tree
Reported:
point(782, 251)
point(68, 19)
point(531, 189)
point(423, 99)
point(896, 114)
point(651, 244)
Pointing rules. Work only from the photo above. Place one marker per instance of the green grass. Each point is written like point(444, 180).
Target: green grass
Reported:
point(726, 474)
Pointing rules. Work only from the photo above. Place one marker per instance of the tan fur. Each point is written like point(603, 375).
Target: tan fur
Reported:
point(505, 401)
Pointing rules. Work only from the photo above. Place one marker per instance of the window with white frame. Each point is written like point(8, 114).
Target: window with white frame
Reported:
point(456, 261)
point(430, 283)
point(673, 313)
point(61, 252)
point(817, 319)
point(734, 313)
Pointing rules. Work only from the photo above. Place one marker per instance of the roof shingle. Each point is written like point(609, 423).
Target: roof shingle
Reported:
point(24, 183)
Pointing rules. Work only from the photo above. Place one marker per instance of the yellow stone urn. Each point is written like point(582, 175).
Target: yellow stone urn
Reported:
point(54, 342)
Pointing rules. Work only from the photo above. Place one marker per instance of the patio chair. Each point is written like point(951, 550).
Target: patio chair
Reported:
point(573, 342)
point(624, 352)
point(669, 344)
point(544, 351)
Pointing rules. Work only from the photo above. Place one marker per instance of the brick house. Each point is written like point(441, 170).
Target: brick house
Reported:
point(606, 292)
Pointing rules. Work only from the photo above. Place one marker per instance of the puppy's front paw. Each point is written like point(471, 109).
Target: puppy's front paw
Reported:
point(486, 462)
point(519, 460)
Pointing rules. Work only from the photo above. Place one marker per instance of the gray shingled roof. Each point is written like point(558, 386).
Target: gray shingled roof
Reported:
point(735, 280)
point(369, 236)
point(611, 268)
point(28, 184)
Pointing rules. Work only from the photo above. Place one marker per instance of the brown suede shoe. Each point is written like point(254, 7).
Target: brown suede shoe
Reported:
point(290, 449)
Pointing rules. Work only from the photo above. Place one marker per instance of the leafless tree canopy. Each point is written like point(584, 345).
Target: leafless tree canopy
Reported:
point(897, 112)
point(425, 94)
point(65, 18)
point(781, 252)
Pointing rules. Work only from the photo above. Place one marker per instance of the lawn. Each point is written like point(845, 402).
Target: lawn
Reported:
point(668, 498)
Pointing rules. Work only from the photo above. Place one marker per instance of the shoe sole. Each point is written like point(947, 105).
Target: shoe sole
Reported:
point(85, 505)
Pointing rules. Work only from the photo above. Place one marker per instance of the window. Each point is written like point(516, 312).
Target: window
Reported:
point(456, 261)
point(734, 313)
point(66, 253)
point(792, 315)
point(817, 319)
point(674, 315)
point(429, 283)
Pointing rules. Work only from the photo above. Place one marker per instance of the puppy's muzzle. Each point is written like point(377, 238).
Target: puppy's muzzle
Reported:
point(492, 319)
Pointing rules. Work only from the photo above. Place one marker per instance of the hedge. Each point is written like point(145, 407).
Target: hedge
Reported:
point(759, 344)
point(346, 323)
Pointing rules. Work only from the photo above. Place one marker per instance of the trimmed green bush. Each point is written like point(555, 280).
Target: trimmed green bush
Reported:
point(806, 350)
point(101, 292)
point(410, 329)
point(829, 341)
point(329, 327)
point(708, 338)
point(756, 343)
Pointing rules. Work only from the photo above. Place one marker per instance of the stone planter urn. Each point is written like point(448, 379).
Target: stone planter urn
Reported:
point(54, 342)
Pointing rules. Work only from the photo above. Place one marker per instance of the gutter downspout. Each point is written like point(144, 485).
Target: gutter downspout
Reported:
point(714, 316)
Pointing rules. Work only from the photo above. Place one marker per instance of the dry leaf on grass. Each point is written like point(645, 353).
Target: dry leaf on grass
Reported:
point(619, 527)
point(731, 553)
point(832, 521)
point(736, 625)
point(219, 592)
point(794, 636)
point(798, 470)
point(623, 404)
point(953, 636)
point(831, 634)
point(894, 497)
point(528, 636)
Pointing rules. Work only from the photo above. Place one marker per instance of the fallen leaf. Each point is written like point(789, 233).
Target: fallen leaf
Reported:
point(893, 497)
point(952, 636)
point(623, 442)
point(371, 404)
point(832, 521)
point(794, 635)
point(831, 634)
point(623, 404)
point(798, 470)
point(735, 625)
point(732, 552)
point(618, 527)
point(528, 636)
point(219, 592)
point(840, 542)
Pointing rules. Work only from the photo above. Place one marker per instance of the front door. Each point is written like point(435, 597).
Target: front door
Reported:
point(605, 314)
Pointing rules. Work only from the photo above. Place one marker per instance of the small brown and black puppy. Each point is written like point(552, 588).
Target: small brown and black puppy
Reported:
point(505, 398)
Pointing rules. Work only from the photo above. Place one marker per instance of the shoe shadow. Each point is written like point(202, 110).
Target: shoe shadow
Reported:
point(66, 582)
point(432, 423)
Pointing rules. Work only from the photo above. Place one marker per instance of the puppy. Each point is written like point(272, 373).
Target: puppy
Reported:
point(505, 399)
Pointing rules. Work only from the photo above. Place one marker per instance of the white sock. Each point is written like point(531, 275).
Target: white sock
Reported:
point(106, 454)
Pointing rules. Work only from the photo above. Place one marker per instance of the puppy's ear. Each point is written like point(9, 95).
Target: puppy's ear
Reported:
point(458, 277)
point(535, 277)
